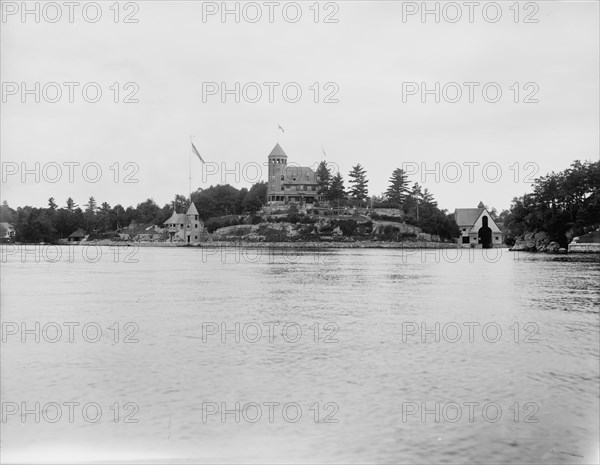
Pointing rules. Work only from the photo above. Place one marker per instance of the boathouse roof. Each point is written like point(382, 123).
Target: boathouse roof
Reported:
point(176, 218)
point(467, 216)
point(78, 233)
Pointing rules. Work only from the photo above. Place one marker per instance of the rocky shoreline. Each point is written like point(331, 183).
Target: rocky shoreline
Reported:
point(540, 242)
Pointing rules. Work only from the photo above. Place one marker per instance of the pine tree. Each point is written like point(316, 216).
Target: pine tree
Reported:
point(336, 190)
point(427, 197)
point(52, 204)
point(71, 205)
point(324, 179)
point(90, 207)
point(398, 187)
point(90, 214)
point(358, 179)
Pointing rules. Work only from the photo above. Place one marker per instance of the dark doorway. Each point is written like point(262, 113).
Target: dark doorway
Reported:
point(485, 234)
point(465, 239)
point(189, 237)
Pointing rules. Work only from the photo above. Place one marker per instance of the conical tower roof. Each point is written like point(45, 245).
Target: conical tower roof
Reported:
point(481, 205)
point(277, 151)
point(192, 210)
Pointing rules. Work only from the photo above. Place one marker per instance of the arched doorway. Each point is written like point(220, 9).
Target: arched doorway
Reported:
point(485, 234)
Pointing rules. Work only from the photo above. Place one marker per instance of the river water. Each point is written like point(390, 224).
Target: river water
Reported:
point(234, 355)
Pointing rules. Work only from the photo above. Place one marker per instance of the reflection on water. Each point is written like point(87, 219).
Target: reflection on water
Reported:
point(509, 374)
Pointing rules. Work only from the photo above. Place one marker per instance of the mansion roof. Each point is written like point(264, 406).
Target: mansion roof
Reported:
point(277, 151)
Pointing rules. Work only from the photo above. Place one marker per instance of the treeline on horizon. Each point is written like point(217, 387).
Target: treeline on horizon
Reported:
point(563, 204)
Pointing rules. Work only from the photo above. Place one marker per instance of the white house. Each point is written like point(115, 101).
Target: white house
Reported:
point(477, 227)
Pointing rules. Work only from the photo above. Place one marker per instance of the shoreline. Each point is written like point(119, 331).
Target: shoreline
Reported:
point(263, 245)
point(579, 249)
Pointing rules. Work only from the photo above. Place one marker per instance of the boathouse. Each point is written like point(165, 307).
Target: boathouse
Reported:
point(185, 227)
point(77, 236)
point(477, 227)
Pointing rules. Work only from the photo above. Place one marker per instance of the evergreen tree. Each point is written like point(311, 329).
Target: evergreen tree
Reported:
point(336, 189)
point(398, 189)
point(358, 179)
point(104, 217)
point(71, 205)
point(324, 179)
point(427, 197)
point(52, 204)
point(90, 214)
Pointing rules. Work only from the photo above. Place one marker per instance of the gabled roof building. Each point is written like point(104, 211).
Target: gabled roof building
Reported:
point(477, 227)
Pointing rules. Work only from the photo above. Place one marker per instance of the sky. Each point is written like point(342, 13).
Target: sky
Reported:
point(361, 69)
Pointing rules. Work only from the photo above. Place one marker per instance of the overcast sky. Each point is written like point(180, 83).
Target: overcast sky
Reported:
point(369, 53)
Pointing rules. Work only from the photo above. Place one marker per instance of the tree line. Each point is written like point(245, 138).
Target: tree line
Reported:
point(34, 225)
point(418, 205)
point(563, 204)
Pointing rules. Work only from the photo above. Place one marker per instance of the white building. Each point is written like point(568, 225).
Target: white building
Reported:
point(185, 227)
point(477, 227)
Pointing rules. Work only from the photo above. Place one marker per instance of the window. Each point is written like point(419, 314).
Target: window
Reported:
point(195, 237)
point(305, 188)
point(196, 217)
point(282, 188)
point(188, 226)
point(282, 177)
point(196, 225)
point(313, 188)
point(273, 178)
point(496, 237)
point(464, 229)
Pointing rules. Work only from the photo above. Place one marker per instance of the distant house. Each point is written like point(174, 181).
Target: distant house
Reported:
point(185, 227)
point(477, 227)
point(7, 232)
point(76, 236)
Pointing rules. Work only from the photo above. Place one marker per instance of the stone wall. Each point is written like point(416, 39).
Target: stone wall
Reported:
point(584, 248)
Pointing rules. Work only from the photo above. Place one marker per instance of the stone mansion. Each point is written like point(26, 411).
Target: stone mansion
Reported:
point(290, 184)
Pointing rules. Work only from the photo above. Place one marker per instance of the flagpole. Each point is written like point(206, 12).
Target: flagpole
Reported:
point(190, 163)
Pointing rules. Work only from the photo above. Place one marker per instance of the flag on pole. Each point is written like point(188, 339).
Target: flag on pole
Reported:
point(324, 154)
point(280, 128)
point(195, 150)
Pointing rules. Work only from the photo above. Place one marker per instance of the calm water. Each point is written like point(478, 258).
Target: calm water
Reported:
point(367, 367)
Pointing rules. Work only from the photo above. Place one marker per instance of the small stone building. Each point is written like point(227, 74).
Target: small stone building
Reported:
point(185, 227)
